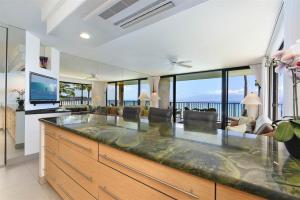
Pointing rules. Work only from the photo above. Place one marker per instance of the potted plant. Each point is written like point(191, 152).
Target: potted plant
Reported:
point(20, 98)
point(288, 131)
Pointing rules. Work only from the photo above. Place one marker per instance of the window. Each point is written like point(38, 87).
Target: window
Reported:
point(74, 93)
point(199, 91)
point(240, 83)
point(130, 93)
point(111, 94)
point(144, 87)
point(280, 96)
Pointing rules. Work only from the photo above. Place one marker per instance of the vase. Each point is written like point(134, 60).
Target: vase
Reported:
point(21, 104)
point(293, 146)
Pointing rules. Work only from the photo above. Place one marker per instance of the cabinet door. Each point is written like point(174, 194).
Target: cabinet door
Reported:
point(115, 185)
point(70, 190)
point(79, 167)
point(228, 193)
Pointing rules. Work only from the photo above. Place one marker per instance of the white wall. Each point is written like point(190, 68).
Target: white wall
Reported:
point(74, 80)
point(32, 65)
point(32, 124)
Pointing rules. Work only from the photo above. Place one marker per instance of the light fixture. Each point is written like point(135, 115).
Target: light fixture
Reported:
point(85, 35)
point(251, 99)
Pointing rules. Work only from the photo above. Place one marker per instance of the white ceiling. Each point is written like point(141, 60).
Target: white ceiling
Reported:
point(212, 34)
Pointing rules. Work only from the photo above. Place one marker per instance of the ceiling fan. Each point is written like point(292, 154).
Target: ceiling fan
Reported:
point(92, 77)
point(183, 63)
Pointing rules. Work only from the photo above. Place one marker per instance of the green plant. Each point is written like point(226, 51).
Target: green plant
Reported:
point(65, 90)
point(287, 129)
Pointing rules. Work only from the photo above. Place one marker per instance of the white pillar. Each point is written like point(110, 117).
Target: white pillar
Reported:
point(164, 93)
point(99, 93)
point(154, 98)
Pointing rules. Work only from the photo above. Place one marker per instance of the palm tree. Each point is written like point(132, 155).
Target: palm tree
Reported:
point(83, 87)
point(65, 90)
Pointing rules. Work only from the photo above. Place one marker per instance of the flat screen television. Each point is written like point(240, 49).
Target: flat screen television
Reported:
point(42, 88)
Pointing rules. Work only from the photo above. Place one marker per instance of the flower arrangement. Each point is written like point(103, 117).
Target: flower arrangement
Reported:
point(20, 92)
point(288, 131)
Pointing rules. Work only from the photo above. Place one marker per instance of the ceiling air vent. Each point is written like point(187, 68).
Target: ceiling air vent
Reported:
point(145, 13)
point(116, 8)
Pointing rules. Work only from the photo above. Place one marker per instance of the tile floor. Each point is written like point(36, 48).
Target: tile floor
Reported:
point(20, 182)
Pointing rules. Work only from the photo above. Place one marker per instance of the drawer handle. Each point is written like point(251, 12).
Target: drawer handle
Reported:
point(76, 144)
point(65, 192)
point(53, 153)
point(148, 176)
point(103, 188)
point(89, 178)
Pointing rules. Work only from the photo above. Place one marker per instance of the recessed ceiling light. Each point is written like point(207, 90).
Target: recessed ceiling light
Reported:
point(85, 35)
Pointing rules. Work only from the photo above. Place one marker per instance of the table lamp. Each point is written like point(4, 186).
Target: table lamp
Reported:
point(251, 101)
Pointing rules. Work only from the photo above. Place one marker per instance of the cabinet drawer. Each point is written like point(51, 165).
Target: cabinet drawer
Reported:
point(79, 167)
point(170, 181)
point(51, 131)
point(51, 147)
point(70, 190)
point(86, 146)
point(51, 173)
point(115, 185)
point(228, 193)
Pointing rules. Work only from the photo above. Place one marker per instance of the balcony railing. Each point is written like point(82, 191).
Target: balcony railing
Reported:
point(69, 101)
point(234, 108)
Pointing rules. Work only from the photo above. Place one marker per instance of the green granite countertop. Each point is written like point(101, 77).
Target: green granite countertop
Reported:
point(255, 164)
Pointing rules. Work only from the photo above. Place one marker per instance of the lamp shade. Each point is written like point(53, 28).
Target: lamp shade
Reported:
point(143, 96)
point(251, 99)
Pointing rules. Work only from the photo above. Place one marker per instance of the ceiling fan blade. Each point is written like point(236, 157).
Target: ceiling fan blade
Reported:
point(184, 61)
point(184, 65)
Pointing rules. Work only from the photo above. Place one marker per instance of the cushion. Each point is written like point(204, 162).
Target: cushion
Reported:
point(260, 121)
point(240, 128)
point(244, 120)
point(264, 129)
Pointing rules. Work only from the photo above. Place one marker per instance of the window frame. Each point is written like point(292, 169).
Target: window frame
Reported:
point(81, 97)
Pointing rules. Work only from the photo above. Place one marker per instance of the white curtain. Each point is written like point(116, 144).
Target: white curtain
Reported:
point(154, 84)
point(257, 71)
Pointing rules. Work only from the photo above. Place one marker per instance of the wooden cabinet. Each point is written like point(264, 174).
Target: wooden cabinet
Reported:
point(228, 193)
point(11, 122)
point(66, 187)
point(82, 169)
point(165, 179)
point(83, 145)
point(115, 185)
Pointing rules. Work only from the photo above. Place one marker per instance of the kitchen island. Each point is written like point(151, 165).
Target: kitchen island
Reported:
point(106, 157)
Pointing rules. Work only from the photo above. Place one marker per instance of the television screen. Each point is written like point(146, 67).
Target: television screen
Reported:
point(42, 88)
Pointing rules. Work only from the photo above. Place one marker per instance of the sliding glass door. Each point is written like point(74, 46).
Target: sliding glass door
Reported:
point(240, 83)
point(199, 91)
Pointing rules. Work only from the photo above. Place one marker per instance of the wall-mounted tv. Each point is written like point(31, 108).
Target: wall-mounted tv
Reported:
point(42, 88)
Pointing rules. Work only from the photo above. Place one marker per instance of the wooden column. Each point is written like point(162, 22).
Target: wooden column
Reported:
point(121, 93)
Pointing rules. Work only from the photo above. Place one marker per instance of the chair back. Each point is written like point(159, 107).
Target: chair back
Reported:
point(204, 120)
point(160, 115)
point(131, 112)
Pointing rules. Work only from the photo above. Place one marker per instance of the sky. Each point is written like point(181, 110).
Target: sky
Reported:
point(197, 90)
